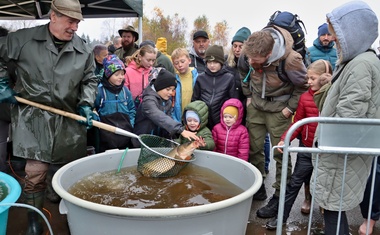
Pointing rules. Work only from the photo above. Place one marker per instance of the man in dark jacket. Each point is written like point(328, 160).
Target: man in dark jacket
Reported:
point(61, 76)
point(197, 53)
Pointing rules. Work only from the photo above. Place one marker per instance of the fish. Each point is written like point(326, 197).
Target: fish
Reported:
point(186, 150)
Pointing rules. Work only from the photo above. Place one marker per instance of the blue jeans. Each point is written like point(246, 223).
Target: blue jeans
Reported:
point(364, 205)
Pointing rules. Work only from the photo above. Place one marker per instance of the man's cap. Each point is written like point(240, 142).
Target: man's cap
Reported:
point(129, 28)
point(323, 29)
point(70, 8)
point(200, 33)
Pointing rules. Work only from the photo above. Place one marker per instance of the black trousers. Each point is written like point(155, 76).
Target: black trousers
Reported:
point(331, 223)
point(364, 205)
point(301, 173)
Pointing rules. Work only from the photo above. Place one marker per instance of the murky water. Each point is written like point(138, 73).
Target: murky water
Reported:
point(193, 186)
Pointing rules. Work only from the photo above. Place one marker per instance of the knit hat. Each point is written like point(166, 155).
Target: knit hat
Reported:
point(70, 8)
point(215, 53)
point(323, 29)
point(147, 42)
point(241, 35)
point(164, 79)
point(199, 34)
point(231, 110)
point(129, 28)
point(192, 114)
point(111, 64)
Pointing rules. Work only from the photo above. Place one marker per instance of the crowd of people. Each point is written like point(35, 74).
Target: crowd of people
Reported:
point(236, 102)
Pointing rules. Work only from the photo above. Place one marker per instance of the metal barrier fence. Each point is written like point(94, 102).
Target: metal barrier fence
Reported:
point(344, 136)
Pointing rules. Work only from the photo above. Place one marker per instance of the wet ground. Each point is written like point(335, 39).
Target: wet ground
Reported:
point(297, 222)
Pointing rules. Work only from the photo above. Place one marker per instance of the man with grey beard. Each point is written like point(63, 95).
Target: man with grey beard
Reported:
point(197, 53)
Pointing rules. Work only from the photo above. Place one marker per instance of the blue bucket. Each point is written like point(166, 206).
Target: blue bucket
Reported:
point(10, 190)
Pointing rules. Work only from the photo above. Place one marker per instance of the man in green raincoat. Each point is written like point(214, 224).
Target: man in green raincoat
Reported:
point(55, 67)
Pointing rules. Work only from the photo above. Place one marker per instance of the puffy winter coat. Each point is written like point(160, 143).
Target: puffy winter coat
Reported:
point(63, 80)
point(232, 140)
point(355, 93)
point(306, 108)
point(153, 116)
point(214, 89)
point(317, 52)
point(201, 109)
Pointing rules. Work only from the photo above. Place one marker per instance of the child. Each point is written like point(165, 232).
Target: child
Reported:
point(154, 115)
point(215, 85)
point(229, 135)
point(137, 72)
point(303, 168)
point(186, 77)
point(114, 104)
point(195, 118)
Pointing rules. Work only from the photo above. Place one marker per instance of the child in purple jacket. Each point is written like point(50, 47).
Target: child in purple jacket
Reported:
point(230, 136)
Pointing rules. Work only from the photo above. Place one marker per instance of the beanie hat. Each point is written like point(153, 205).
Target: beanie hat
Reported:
point(215, 53)
point(147, 42)
point(241, 35)
point(192, 114)
point(129, 28)
point(111, 64)
point(70, 8)
point(164, 79)
point(323, 29)
point(231, 110)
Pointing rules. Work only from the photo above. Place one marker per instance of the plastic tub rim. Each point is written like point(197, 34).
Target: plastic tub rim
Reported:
point(14, 193)
point(167, 212)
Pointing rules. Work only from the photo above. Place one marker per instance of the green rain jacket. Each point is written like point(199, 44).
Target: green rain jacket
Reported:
point(63, 80)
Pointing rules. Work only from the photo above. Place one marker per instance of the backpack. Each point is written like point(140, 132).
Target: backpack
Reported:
point(292, 23)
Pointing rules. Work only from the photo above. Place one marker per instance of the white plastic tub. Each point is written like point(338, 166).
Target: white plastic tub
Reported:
point(226, 217)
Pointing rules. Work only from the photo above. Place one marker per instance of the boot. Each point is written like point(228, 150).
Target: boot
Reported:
point(34, 219)
point(307, 202)
point(50, 193)
point(261, 194)
point(271, 209)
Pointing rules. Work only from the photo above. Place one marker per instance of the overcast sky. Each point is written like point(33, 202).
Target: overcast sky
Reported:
point(242, 13)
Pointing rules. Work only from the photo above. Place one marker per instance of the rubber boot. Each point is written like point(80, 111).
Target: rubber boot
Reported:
point(307, 202)
point(50, 193)
point(34, 219)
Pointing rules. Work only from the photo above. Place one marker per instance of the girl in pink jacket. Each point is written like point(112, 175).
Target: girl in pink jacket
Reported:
point(229, 135)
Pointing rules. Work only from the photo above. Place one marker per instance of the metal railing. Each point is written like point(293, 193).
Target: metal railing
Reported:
point(344, 136)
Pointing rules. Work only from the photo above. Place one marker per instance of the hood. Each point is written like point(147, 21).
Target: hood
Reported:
point(283, 42)
point(236, 103)
point(192, 52)
point(201, 109)
point(162, 44)
point(353, 36)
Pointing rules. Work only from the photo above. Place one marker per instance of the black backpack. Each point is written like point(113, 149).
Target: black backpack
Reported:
point(292, 23)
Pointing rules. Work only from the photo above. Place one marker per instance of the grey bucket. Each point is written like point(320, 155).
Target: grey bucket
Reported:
point(221, 218)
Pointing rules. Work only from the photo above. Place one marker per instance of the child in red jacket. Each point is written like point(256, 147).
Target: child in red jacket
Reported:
point(230, 136)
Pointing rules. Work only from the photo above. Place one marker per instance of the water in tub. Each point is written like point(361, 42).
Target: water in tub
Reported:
point(194, 185)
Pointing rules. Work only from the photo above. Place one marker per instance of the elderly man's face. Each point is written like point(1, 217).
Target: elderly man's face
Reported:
point(63, 27)
point(200, 45)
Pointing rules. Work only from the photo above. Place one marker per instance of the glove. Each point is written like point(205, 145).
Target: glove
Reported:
point(6, 93)
point(86, 111)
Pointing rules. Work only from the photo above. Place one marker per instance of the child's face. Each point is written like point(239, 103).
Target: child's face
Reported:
point(117, 78)
point(181, 64)
point(192, 124)
point(228, 119)
point(313, 80)
point(147, 60)
point(214, 66)
point(166, 93)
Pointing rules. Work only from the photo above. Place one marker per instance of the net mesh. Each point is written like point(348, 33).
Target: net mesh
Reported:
point(153, 160)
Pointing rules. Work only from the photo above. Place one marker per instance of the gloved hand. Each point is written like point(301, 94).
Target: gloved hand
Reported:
point(6, 93)
point(86, 111)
